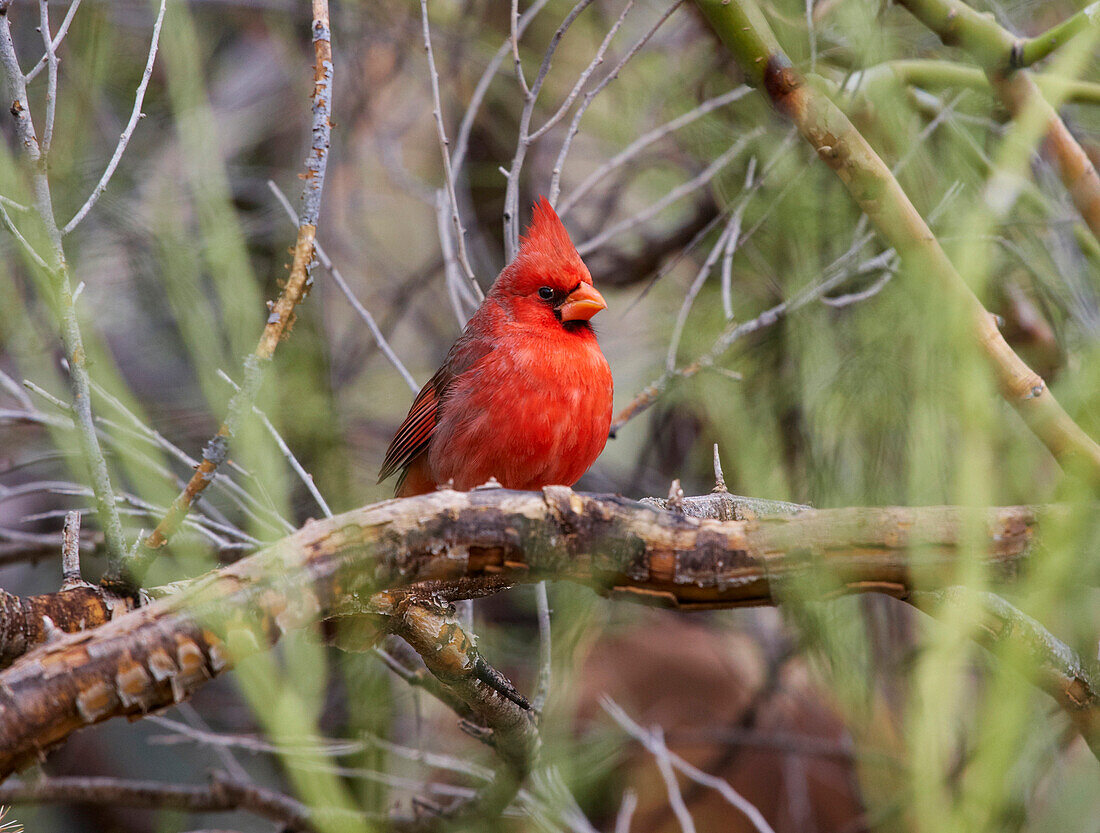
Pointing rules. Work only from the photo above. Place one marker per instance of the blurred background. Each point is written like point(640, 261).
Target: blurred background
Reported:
point(699, 212)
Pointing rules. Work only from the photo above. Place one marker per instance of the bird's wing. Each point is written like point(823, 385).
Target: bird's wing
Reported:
point(412, 437)
point(416, 431)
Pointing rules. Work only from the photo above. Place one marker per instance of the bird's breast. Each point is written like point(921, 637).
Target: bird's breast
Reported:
point(531, 413)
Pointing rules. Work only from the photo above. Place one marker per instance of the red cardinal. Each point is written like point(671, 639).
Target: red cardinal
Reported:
point(525, 393)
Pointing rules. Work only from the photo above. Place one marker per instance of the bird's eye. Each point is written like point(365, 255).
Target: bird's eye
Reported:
point(546, 293)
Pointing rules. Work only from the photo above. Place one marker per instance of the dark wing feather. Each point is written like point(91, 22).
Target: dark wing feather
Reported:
point(416, 431)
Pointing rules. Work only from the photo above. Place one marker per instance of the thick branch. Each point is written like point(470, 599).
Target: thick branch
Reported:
point(159, 654)
point(1053, 665)
point(746, 33)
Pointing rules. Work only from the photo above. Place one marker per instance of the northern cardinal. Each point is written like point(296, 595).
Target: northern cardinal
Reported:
point(524, 394)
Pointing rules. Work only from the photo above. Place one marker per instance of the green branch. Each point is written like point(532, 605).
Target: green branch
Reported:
point(868, 179)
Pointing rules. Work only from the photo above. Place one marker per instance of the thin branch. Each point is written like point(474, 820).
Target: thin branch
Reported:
point(653, 740)
point(462, 139)
point(682, 190)
point(56, 42)
point(546, 652)
point(574, 126)
point(362, 311)
point(281, 318)
point(663, 758)
point(645, 140)
point(835, 275)
point(51, 76)
point(511, 190)
point(65, 310)
point(303, 475)
point(221, 795)
point(585, 74)
point(936, 74)
point(24, 244)
point(448, 174)
point(135, 116)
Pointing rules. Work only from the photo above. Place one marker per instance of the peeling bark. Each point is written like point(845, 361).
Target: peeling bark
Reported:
point(158, 655)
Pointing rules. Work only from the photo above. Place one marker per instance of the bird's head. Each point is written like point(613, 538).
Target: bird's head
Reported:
point(548, 281)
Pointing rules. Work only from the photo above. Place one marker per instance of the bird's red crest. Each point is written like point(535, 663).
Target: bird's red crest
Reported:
point(546, 252)
point(546, 230)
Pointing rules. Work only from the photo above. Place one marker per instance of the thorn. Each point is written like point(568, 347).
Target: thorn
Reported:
point(719, 478)
point(676, 497)
point(52, 632)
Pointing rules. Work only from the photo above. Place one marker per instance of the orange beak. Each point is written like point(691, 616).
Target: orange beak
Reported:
point(582, 303)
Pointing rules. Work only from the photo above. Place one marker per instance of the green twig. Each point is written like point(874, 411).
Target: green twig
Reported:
point(746, 33)
point(58, 273)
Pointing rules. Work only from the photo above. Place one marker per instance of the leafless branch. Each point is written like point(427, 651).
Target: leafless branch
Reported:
point(362, 311)
point(135, 116)
point(444, 147)
point(653, 740)
point(281, 317)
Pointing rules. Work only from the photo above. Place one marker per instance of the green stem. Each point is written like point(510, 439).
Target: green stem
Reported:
point(868, 179)
point(937, 74)
point(985, 40)
point(1030, 50)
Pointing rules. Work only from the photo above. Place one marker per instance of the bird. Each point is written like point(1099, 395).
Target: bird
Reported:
point(525, 393)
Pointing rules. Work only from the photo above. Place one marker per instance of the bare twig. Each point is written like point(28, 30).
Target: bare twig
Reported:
point(58, 271)
point(546, 653)
point(448, 174)
point(585, 74)
point(56, 42)
point(626, 811)
point(303, 475)
point(679, 192)
point(221, 795)
point(51, 77)
point(511, 191)
point(653, 740)
point(135, 116)
point(645, 140)
point(361, 311)
point(281, 317)
point(462, 139)
point(663, 758)
point(574, 126)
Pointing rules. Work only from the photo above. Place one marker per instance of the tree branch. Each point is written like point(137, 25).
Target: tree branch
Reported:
point(57, 272)
point(466, 544)
point(745, 32)
point(1000, 53)
point(281, 318)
